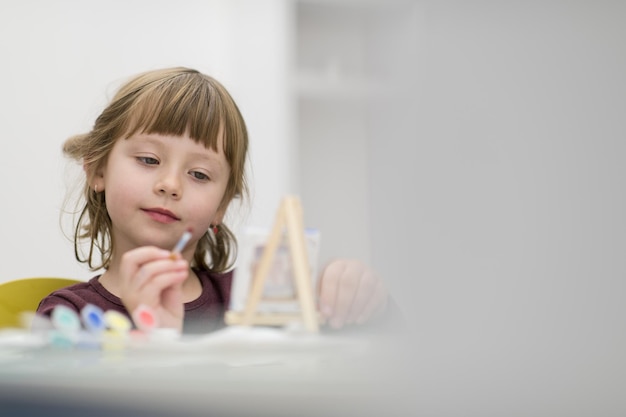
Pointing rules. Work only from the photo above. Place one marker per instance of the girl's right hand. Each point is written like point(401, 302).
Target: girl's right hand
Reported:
point(150, 277)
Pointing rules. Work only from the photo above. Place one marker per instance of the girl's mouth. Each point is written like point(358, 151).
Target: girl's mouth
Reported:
point(161, 215)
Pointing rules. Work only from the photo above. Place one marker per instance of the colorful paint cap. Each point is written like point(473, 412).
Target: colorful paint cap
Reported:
point(61, 339)
point(65, 319)
point(93, 318)
point(35, 322)
point(117, 321)
point(114, 340)
point(144, 318)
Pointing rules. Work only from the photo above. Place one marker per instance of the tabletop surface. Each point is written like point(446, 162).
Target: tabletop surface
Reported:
point(235, 371)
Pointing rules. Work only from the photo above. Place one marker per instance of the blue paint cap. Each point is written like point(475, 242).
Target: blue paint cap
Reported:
point(93, 318)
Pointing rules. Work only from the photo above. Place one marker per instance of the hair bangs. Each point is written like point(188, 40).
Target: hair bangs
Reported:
point(185, 104)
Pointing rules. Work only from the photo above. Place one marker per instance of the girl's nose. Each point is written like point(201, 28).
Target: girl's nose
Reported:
point(169, 184)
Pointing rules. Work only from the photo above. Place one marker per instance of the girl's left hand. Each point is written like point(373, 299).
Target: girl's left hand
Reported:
point(150, 277)
point(350, 292)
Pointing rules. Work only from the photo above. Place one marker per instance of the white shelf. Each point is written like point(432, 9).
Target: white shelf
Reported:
point(338, 48)
point(345, 58)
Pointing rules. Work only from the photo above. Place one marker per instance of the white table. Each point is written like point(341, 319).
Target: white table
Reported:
point(237, 371)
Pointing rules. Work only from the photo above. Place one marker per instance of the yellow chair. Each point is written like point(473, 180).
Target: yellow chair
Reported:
point(23, 295)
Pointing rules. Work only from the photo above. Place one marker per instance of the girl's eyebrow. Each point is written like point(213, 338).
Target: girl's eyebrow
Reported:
point(213, 159)
point(146, 138)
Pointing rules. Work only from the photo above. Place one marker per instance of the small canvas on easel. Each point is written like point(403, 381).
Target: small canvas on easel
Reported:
point(275, 278)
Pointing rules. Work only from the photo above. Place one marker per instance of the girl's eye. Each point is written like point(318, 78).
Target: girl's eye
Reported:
point(148, 160)
point(199, 175)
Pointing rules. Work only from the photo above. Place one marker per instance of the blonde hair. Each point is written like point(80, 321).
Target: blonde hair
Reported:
point(171, 101)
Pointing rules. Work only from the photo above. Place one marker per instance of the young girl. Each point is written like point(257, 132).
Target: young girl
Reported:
point(167, 156)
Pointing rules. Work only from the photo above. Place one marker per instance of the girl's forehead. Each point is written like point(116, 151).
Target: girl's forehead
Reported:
point(210, 133)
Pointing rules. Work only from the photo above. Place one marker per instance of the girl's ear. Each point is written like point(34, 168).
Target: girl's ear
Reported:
point(219, 217)
point(95, 178)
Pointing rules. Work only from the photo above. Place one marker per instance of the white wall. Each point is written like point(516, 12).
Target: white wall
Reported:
point(63, 59)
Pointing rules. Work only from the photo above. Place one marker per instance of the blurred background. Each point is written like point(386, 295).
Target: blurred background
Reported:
point(471, 151)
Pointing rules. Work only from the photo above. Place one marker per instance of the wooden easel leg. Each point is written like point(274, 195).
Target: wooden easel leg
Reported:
point(265, 263)
point(300, 263)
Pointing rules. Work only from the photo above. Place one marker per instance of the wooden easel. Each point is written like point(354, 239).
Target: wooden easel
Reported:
point(289, 218)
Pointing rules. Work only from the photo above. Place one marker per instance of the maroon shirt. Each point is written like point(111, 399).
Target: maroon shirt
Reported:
point(204, 314)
